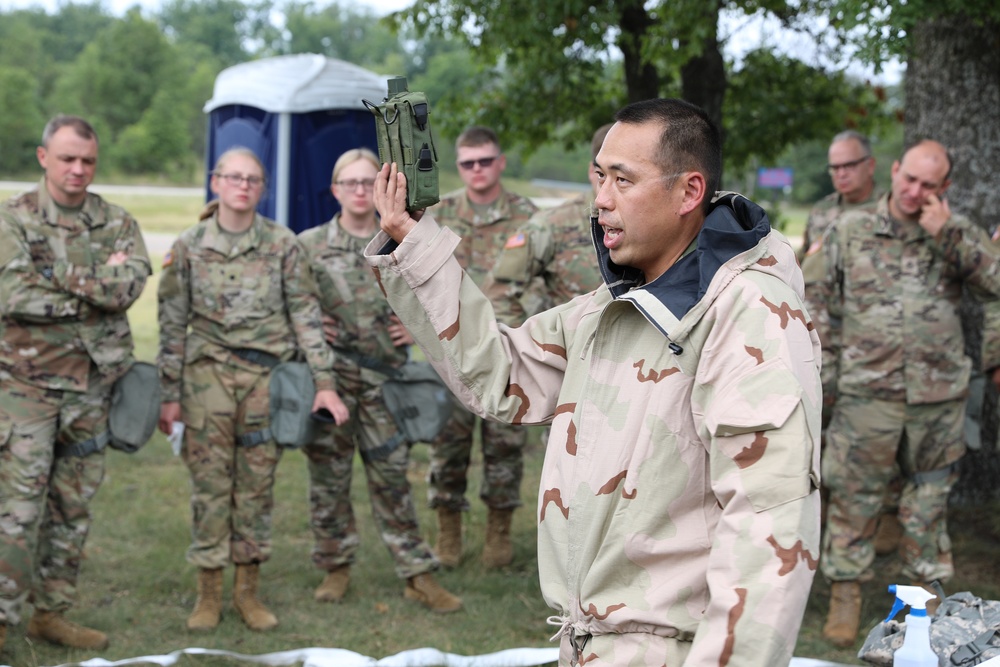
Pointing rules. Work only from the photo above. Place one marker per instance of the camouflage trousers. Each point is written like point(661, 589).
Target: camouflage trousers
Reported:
point(45, 492)
point(386, 457)
point(865, 440)
point(232, 484)
point(503, 463)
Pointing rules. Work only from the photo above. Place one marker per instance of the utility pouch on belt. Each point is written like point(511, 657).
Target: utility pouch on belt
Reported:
point(414, 394)
point(292, 392)
point(402, 123)
point(135, 407)
point(418, 401)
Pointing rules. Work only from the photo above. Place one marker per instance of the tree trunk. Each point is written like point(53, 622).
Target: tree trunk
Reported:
point(952, 95)
point(703, 78)
point(642, 81)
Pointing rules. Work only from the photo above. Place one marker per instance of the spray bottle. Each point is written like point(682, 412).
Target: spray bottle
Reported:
point(916, 650)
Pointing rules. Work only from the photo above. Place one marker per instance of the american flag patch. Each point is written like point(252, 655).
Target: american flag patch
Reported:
point(168, 259)
point(515, 241)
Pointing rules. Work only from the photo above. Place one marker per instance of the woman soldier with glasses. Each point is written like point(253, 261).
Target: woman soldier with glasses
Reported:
point(236, 298)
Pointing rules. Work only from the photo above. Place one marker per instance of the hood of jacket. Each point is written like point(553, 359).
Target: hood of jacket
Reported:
point(729, 242)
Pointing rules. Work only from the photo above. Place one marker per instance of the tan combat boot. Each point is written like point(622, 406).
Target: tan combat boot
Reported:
point(208, 606)
point(423, 588)
point(841, 627)
point(334, 584)
point(254, 613)
point(449, 543)
point(498, 551)
point(53, 627)
point(888, 532)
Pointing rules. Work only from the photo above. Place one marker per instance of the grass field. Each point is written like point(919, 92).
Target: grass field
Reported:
point(136, 585)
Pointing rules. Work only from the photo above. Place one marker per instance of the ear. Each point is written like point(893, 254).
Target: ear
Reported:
point(945, 186)
point(41, 154)
point(694, 186)
point(213, 184)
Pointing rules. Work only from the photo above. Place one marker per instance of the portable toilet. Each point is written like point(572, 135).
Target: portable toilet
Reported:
point(298, 113)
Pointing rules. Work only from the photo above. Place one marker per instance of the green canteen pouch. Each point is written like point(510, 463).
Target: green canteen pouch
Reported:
point(402, 124)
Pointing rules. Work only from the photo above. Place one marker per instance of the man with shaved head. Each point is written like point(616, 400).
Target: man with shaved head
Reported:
point(888, 317)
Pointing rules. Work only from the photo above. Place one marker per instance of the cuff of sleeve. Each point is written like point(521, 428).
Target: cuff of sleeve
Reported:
point(324, 381)
point(424, 250)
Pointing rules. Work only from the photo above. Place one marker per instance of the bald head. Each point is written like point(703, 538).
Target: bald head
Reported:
point(922, 171)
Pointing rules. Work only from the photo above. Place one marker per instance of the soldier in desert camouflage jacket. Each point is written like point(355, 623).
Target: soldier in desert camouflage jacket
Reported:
point(358, 322)
point(236, 297)
point(484, 215)
point(678, 510)
point(555, 248)
point(71, 264)
point(889, 319)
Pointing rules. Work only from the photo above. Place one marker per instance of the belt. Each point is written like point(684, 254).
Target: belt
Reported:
point(256, 357)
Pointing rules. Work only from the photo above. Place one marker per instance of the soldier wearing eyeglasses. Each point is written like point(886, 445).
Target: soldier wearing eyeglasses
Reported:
point(484, 214)
point(852, 171)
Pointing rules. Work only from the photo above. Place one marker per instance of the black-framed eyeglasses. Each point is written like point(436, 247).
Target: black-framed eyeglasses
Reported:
point(853, 164)
point(483, 162)
point(236, 180)
point(367, 183)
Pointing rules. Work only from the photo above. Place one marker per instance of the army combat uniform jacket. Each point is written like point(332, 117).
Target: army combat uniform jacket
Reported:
point(895, 292)
point(255, 291)
point(481, 240)
point(826, 211)
point(678, 499)
point(556, 247)
point(63, 307)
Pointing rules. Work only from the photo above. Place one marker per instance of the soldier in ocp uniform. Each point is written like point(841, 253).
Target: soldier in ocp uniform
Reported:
point(71, 264)
point(485, 215)
point(236, 298)
point(851, 166)
point(369, 340)
point(888, 316)
point(556, 248)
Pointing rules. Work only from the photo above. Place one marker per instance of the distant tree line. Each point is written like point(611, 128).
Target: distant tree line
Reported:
point(545, 74)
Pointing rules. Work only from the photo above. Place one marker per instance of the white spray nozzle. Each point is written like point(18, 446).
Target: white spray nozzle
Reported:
point(914, 597)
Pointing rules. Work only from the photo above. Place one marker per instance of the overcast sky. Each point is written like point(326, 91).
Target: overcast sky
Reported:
point(743, 34)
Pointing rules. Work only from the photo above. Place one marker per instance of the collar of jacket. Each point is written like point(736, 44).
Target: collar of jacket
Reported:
point(50, 211)
point(734, 225)
point(214, 239)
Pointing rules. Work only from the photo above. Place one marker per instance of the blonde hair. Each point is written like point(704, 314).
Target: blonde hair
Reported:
point(352, 156)
point(213, 206)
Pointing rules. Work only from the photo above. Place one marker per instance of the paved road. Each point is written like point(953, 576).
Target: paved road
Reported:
point(160, 191)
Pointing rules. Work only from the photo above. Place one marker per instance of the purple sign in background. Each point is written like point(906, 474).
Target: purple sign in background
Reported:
point(774, 177)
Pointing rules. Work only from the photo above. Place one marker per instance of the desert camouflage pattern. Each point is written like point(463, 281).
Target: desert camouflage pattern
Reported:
point(62, 308)
point(555, 249)
point(888, 310)
point(865, 440)
point(503, 446)
point(678, 499)
point(349, 294)
point(221, 292)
